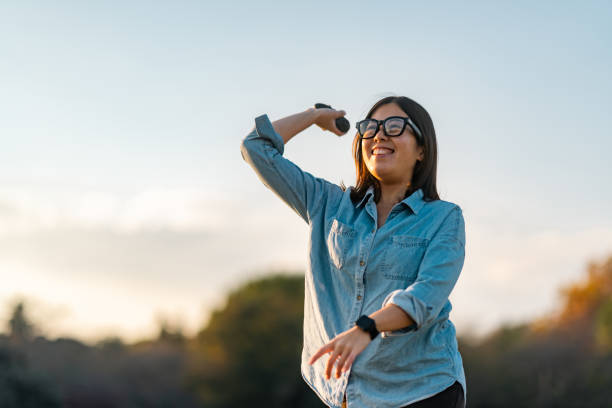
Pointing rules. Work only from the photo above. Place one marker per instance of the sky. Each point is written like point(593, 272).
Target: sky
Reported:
point(124, 199)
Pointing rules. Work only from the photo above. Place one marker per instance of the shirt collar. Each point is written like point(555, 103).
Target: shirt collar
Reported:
point(369, 193)
point(414, 201)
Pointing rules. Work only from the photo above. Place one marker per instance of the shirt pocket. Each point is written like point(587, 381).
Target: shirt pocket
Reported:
point(340, 241)
point(402, 257)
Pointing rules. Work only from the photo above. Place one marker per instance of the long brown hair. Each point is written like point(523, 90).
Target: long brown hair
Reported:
point(424, 174)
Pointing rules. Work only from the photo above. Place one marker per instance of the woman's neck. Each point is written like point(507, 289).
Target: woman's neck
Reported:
point(391, 194)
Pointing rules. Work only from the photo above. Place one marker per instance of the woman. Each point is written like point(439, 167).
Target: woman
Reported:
point(383, 258)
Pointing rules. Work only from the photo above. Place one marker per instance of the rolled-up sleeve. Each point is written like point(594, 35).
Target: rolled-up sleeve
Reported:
point(263, 150)
point(437, 275)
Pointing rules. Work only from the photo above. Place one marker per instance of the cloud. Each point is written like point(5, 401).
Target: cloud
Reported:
point(175, 209)
point(115, 260)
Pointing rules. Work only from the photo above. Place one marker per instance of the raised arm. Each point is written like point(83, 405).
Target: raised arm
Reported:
point(263, 150)
point(292, 125)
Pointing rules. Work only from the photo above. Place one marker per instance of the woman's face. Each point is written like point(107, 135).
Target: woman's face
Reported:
point(395, 163)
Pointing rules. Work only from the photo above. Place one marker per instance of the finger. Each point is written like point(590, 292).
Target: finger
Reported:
point(316, 356)
point(325, 349)
point(336, 130)
point(340, 133)
point(348, 363)
point(341, 363)
point(330, 363)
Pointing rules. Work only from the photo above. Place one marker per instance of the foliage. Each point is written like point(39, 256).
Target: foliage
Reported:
point(19, 386)
point(64, 372)
point(250, 352)
point(603, 326)
point(20, 329)
point(560, 360)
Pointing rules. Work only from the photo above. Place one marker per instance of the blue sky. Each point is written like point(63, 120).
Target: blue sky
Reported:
point(120, 171)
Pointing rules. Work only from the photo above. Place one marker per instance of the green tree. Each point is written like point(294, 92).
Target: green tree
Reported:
point(250, 352)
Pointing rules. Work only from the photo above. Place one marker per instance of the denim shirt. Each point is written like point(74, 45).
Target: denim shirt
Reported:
point(413, 261)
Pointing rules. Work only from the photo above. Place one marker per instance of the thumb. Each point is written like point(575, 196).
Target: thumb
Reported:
point(340, 114)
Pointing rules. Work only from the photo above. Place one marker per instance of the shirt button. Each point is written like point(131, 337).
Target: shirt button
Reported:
point(361, 263)
point(358, 297)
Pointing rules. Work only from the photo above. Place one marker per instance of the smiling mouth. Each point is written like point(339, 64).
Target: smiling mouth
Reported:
point(380, 151)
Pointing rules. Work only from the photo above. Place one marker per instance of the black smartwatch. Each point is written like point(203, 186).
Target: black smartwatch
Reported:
point(368, 325)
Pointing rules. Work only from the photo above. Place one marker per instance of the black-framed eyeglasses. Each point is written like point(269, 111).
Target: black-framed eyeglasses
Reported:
point(392, 126)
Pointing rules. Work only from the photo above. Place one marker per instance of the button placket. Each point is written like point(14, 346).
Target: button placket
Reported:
point(359, 282)
point(360, 276)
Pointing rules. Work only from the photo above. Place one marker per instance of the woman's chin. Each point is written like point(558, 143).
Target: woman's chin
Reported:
point(382, 169)
point(384, 176)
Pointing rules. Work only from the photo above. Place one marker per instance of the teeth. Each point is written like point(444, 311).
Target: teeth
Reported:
point(381, 150)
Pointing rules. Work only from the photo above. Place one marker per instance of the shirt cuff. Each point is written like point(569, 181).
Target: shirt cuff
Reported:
point(409, 304)
point(265, 130)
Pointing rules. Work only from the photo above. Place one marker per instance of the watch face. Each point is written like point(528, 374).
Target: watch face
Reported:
point(364, 322)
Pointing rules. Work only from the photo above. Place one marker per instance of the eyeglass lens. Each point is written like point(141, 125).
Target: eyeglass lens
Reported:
point(393, 127)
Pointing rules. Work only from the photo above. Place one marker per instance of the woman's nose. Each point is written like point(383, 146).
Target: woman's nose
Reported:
point(379, 134)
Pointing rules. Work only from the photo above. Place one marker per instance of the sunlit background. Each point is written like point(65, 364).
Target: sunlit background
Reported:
point(124, 198)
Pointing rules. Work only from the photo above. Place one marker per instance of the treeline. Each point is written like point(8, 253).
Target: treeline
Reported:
point(561, 360)
point(249, 355)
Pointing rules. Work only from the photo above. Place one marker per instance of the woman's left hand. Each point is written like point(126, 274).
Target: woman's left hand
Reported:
point(347, 345)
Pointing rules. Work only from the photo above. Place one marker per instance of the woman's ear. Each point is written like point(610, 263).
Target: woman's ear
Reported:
point(421, 154)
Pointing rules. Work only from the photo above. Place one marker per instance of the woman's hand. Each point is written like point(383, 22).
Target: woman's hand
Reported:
point(326, 119)
point(347, 346)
